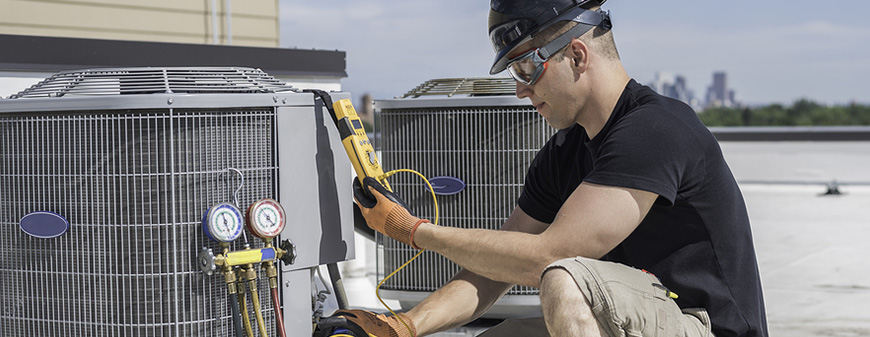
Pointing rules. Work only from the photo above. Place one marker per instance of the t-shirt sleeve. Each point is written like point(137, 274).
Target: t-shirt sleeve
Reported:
point(647, 150)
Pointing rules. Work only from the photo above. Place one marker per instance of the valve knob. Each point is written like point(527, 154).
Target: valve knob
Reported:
point(206, 261)
point(289, 248)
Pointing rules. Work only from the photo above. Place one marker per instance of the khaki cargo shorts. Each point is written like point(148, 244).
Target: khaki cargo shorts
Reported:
point(631, 302)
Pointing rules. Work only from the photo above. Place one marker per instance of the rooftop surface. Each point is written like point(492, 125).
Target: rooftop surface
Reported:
point(812, 248)
point(812, 253)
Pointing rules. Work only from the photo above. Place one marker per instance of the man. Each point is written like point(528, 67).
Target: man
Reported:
point(630, 221)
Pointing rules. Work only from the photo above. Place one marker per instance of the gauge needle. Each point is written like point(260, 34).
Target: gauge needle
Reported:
point(226, 222)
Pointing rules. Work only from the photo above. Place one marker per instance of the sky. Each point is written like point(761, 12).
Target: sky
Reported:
point(773, 52)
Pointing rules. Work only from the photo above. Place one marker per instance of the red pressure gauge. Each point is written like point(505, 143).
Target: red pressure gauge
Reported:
point(265, 218)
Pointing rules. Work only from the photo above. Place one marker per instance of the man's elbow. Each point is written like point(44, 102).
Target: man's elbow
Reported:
point(593, 248)
point(544, 256)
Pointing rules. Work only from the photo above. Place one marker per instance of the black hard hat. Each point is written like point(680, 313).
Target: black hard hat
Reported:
point(513, 22)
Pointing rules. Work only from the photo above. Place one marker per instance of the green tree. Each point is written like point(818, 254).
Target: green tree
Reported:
point(803, 112)
point(774, 114)
point(721, 116)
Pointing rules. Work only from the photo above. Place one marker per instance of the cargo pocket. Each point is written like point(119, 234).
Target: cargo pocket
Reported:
point(638, 305)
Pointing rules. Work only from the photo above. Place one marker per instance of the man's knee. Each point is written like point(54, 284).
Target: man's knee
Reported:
point(560, 277)
point(567, 311)
point(555, 280)
point(559, 289)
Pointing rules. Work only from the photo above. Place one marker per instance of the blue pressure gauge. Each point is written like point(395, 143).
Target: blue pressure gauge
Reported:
point(223, 223)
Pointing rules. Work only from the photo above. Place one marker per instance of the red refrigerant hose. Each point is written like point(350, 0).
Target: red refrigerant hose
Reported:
point(279, 318)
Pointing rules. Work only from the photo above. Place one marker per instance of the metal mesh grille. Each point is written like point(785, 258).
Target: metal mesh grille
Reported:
point(471, 86)
point(134, 185)
point(127, 81)
point(489, 148)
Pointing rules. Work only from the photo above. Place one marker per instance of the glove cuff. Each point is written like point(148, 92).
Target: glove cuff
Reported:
point(400, 224)
point(414, 230)
point(401, 327)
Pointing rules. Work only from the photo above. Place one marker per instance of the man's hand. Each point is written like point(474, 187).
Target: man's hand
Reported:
point(360, 321)
point(384, 211)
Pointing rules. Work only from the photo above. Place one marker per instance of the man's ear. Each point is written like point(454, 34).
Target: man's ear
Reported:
point(578, 52)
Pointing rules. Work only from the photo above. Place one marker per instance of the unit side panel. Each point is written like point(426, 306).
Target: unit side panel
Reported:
point(315, 187)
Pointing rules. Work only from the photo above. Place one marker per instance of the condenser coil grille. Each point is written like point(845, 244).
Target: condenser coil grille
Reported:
point(134, 185)
point(474, 86)
point(488, 147)
point(127, 81)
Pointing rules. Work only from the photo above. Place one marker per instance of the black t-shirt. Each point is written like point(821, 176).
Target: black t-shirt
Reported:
point(696, 237)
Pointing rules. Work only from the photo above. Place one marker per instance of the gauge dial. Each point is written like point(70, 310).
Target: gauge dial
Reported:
point(265, 218)
point(223, 223)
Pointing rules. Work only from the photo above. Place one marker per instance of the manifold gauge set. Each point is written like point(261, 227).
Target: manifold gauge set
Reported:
point(224, 223)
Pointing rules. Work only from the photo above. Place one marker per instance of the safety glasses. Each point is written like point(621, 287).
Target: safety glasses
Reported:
point(528, 67)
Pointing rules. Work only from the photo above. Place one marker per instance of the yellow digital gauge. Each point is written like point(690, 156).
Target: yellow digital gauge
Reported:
point(265, 218)
point(222, 223)
point(356, 143)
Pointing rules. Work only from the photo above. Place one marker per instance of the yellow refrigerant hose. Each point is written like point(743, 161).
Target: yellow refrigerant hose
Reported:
point(435, 222)
point(255, 297)
point(243, 304)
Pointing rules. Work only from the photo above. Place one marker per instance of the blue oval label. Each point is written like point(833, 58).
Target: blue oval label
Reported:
point(446, 185)
point(44, 225)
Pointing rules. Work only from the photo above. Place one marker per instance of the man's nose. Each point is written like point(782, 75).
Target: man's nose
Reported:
point(523, 90)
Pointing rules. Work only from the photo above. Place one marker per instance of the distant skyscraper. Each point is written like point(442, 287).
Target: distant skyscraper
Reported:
point(674, 87)
point(720, 85)
point(718, 93)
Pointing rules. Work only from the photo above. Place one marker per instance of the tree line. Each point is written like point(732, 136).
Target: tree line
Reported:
point(803, 112)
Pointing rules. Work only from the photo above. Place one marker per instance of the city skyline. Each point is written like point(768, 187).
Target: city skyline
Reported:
point(717, 94)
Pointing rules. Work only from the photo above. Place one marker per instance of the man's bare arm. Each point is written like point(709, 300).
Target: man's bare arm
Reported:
point(593, 221)
point(468, 295)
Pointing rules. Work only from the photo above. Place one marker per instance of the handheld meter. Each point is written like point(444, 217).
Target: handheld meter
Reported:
point(222, 223)
point(356, 143)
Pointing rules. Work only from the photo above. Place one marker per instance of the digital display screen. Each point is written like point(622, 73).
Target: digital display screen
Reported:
point(356, 124)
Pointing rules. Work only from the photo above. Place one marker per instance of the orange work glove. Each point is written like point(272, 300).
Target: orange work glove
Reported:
point(385, 212)
point(368, 322)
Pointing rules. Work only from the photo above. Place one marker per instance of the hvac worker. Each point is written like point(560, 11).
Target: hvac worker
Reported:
point(630, 221)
